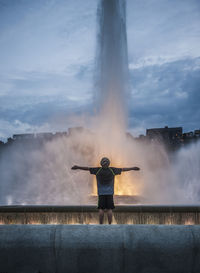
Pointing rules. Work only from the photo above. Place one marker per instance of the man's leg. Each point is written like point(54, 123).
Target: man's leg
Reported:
point(101, 216)
point(109, 214)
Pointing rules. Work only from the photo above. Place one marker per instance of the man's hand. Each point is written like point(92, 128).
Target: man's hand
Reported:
point(75, 167)
point(136, 168)
point(130, 169)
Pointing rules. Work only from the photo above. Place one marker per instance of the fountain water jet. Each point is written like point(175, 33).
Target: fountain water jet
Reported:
point(112, 63)
point(112, 92)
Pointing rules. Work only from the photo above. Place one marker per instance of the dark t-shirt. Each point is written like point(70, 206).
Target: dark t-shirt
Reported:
point(105, 179)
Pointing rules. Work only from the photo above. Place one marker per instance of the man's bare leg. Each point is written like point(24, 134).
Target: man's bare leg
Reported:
point(101, 216)
point(109, 215)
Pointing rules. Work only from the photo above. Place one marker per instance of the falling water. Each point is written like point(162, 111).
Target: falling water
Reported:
point(112, 61)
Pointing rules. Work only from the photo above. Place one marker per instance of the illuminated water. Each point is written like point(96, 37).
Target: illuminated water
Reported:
point(167, 215)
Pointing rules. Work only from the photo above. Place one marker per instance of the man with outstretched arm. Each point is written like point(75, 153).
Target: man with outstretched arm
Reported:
point(105, 184)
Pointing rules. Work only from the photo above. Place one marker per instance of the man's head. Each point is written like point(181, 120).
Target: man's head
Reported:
point(105, 162)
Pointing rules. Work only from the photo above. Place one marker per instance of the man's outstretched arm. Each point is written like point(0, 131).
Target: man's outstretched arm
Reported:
point(130, 169)
point(75, 167)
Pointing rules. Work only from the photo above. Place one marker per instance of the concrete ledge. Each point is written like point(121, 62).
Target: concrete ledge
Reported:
point(120, 208)
point(143, 214)
point(94, 248)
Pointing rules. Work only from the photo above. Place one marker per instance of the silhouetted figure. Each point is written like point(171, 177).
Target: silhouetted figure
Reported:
point(105, 185)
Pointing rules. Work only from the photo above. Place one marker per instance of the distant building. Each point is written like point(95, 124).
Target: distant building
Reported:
point(44, 136)
point(23, 136)
point(167, 135)
point(197, 133)
point(191, 137)
point(173, 137)
point(76, 130)
point(60, 134)
point(1, 143)
point(130, 136)
point(10, 140)
point(142, 137)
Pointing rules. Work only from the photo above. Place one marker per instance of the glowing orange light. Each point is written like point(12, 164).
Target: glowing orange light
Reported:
point(125, 184)
point(189, 222)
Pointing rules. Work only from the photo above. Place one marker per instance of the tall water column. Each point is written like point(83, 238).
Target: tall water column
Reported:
point(112, 61)
point(112, 90)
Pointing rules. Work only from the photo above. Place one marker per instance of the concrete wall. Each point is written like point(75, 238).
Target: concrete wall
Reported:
point(137, 214)
point(95, 248)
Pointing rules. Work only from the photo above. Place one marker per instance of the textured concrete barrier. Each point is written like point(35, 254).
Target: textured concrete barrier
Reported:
point(135, 214)
point(95, 248)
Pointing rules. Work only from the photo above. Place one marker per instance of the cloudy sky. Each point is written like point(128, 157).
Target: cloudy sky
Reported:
point(47, 54)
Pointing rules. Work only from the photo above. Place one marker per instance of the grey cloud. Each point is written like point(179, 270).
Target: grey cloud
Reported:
point(163, 28)
point(36, 111)
point(46, 35)
point(53, 115)
point(166, 95)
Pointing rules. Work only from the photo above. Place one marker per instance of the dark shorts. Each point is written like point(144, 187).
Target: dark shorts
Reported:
point(105, 202)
